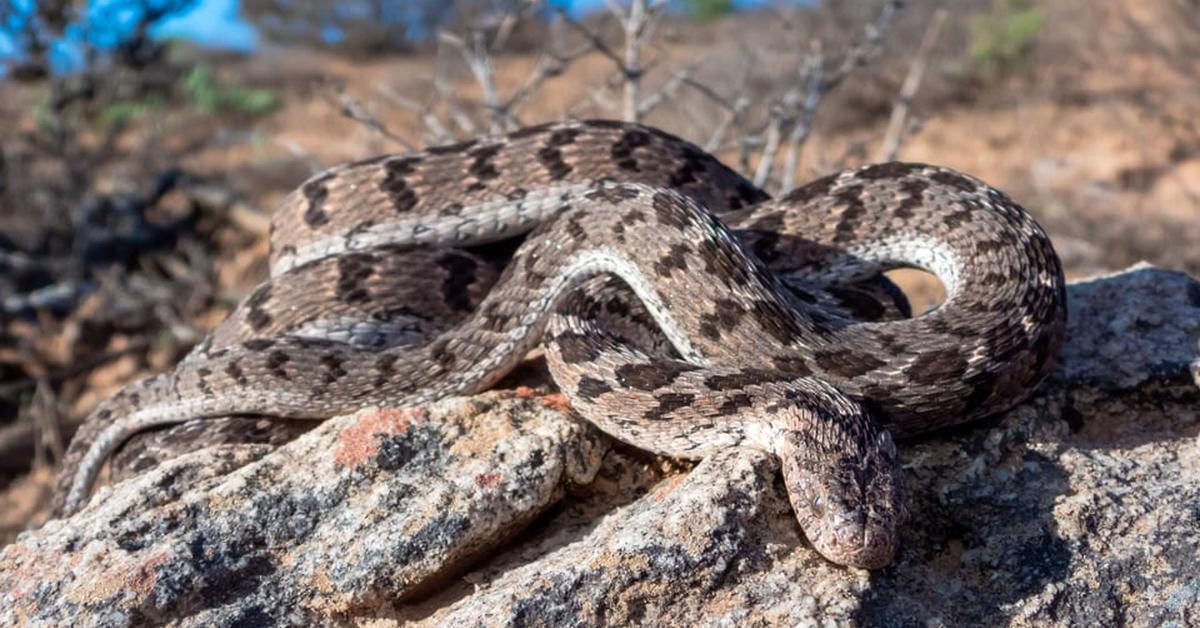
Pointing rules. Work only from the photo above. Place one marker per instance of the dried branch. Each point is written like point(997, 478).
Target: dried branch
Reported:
point(351, 108)
point(667, 92)
point(76, 368)
point(804, 94)
point(435, 129)
point(732, 108)
point(549, 66)
point(803, 126)
point(895, 133)
point(230, 204)
point(638, 23)
point(478, 58)
point(794, 112)
point(477, 50)
point(861, 53)
point(594, 40)
point(18, 442)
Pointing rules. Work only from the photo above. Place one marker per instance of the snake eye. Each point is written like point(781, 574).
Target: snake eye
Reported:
point(818, 506)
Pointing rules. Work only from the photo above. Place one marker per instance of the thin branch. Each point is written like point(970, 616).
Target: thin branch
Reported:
point(296, 149)
point(549, 66)
point(803, 125)
point(478, 53)
point(458, 115)
point(733, 109)
point(797, 108)
point(592, 38)
point(804, 94)
point(639, 25)
point(351, 108)
point(896, 127)
point(766, 160)
point(861, 53)
point(508, 23)
point(78, 367)
point(479, 61)
point(436, 130)
point(669, 90)
point(597, 96)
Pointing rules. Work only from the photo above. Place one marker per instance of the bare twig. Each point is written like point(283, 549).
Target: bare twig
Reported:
point(794, 112)
point(447, 96)
point(861, 53)
point(766, 160)
point(803, 125)
point(478, 58)
point(638, 22)
point(230, 204)
point(597, 96)
point(18, 441)
point(479, 51)
point(433, 125)
point(625, 92)
point(668, 91)
point(355, 110)
point(507, 24)
point(732, 108)
point(550, 65)
point(804, 94)
point(593, 39)
point(896, 128)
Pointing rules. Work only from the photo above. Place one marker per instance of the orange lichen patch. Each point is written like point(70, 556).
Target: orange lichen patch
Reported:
point(525, 392)
point(668, 487)
point(489, 479)
point(358, 443)
point(143, 579)
point(557, 401)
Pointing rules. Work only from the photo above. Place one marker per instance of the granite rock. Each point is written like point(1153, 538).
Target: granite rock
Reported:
point(1077, 507)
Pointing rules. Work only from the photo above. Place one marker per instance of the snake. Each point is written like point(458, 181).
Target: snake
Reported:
point(681, 309)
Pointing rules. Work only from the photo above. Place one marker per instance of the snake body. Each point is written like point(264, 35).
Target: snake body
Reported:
point(682, 309)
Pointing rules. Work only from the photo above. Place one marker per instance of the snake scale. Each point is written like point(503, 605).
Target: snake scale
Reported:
point(682, 309)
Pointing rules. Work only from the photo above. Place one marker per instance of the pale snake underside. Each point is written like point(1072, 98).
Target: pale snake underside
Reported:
point(682, 309)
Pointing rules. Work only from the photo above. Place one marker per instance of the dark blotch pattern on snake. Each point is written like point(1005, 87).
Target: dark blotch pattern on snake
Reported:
point(682, 309)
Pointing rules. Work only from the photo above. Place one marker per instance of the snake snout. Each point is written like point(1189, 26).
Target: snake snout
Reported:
point(856, 541)
point(849, 503)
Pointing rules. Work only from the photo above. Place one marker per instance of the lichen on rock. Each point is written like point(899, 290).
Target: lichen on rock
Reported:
point(1077, 507)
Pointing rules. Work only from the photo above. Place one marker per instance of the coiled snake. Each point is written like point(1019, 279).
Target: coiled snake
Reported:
point(682, 310)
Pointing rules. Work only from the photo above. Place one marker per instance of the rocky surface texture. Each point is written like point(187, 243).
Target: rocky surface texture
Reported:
point(1079, 507)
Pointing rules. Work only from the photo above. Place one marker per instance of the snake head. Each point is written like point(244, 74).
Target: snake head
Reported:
point(847, 496)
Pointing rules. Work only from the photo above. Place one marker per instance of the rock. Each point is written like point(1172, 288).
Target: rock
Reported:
point(358, 514)
point(1077, 507)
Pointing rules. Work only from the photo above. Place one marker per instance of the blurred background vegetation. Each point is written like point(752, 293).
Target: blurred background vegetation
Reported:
point(146, 140)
